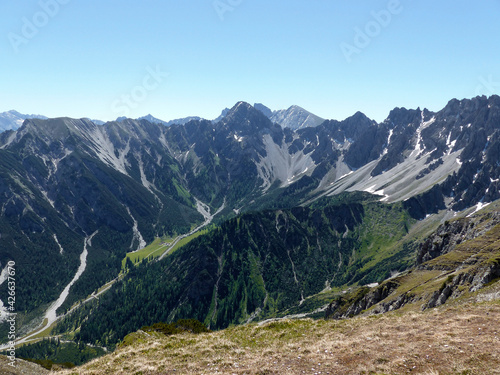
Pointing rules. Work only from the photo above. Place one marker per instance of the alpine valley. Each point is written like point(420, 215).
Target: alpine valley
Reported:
point(254, 216)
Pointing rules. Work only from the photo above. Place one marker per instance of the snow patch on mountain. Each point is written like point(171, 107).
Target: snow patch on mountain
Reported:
point(418, 150)
point(386, 149)
point(371, 189)
point(479, 207)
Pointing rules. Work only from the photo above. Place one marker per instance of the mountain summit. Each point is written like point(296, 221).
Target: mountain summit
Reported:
point(243, 116)
point(294, 117)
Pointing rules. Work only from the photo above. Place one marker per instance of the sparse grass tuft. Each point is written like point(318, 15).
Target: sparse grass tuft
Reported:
point(462, 339)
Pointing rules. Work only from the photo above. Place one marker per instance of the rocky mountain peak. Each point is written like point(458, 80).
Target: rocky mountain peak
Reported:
point(359, 117)
point(296, 117)
point(404, 116)
point(244, 117)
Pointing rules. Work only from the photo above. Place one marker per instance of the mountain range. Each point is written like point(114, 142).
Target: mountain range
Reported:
point(12, 120)
point(290, 210)
point(294, 117)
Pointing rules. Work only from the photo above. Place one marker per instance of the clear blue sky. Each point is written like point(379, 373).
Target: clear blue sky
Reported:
point(84, 57)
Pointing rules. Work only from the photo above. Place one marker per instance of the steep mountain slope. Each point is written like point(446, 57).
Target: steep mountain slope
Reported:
point(461, 276)
point(294, 117)
point(454, 150)
point(432, 160)
point(459, 259)
point(462, 262)
point(21, 367)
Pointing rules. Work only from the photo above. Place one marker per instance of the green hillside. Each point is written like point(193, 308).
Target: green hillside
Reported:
point(258, 265)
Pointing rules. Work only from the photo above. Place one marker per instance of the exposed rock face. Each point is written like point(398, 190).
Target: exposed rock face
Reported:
point(464, 281)
point(452, 288)
point(461, 256)
point(265, 110)
point(364, 299)
point(486, 275)
point(453, 233)
point(427, 203)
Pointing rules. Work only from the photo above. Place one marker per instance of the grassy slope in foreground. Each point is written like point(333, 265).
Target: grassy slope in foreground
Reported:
point(461, 339)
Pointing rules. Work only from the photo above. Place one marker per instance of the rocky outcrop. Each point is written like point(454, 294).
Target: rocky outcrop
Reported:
point(378, 301)
point(455, 286)
point(452, 233)
point(465, 254)
point(362, 299)
point(447, 290)
point(486, 275)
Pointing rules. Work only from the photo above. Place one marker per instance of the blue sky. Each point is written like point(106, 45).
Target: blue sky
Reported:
point(171, 58)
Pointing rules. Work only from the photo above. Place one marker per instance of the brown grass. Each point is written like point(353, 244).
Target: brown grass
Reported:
point(462, 339)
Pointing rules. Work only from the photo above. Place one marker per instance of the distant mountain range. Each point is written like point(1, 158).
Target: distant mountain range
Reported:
point(180, 121)
point(294, 118)
point(12, 120)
